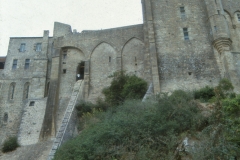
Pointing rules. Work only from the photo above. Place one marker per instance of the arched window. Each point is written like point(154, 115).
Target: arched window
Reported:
point(26, 90)
point(5, 117)
point(11, 90)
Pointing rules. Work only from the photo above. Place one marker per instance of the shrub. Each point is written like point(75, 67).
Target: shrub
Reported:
point(205, 93)
point(135, 130)
point(124, 87)
point(10, 144)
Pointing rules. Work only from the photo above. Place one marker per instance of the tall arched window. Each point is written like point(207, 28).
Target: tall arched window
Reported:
point(11, 90)
point(26, 90)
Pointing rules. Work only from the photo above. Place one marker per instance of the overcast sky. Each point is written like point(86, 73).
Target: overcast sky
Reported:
point(28, 18)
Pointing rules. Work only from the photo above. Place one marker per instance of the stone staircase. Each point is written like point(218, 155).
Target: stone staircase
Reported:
point(61, 132)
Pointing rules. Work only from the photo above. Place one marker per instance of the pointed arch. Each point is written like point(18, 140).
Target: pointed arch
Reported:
point(103, 63)
point(130, 40)
point(133, 57)
point(99, 44)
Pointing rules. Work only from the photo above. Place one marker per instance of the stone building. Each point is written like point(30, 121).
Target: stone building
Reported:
point(182, 44)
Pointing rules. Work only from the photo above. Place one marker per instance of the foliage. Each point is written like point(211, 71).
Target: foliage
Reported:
point(10, 144)
point(88, 107)
point(224, 89)
point(204, 94)
point(136, 130)
point(124, 87)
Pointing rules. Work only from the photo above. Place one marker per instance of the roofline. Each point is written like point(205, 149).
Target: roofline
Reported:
point(26, 37)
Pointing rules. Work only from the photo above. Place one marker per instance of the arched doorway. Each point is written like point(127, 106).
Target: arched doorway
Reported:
point(80, 71)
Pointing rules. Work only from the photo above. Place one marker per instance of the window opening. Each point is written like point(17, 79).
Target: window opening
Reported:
point(185, 33)
point(26, 90)
point(32, 103)
point(1, 65)
point(27, 64)
point(238, 15)
point(14, 66)
point(38, 47)
point(11, 90)
point(189, 73)
point(215, 28)
point(135, 61)
point(80, 71)
point(22, 47)
point(183, 13)
point(64, 71)
point(218, 11)
point(109, 59)
point(5, 117)
point(215, 1)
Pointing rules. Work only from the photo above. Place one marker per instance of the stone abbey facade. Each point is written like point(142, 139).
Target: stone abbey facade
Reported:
point(182, 44)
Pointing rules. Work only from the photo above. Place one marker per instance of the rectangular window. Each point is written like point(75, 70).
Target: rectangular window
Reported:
point(64, 56)
point(14, 65)
point(185, 33)
point(27, 64)
point(64, 71)
point(215, 28)
point(183, 13)
point(38, 47)
point(22, 47)
point(238, 15)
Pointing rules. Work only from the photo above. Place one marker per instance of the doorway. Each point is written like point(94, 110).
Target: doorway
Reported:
point(80, 71)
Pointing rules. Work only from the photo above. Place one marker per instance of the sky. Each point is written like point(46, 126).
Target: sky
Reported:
point(28, 18)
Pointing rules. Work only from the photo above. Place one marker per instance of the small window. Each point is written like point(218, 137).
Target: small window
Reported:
point(238, 16)
point(218, 11)
point(22, 47)
point(12, 90)
point(135, 61)
point(64, 71)
point(14, 65)
point(183, 13)
point(64, 56)
point(26, 90)
point(215, 28)
point(32, 103)
point(38, 47)
point(185, 33)
point(27, 64)
point(109, 59)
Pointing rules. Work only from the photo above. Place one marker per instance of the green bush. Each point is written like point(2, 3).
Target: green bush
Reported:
point(204, 94)
point(124, 87)
point(10, 144)
point(135, 130)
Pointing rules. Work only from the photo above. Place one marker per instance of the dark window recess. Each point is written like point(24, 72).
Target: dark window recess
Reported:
point(183, 13)
point(238, 16)
point(185, 33)
point(5, 117)
point(80, 71)
point(2, 65)
point(135, 61)
point(14, 65)
point(27, 64)
point(38, 47)
point(64, 71)
point(215, 28)
point(22, 47)
point(189, 73)
point(32, 103)
point(12, 90)
point(65, 55)
point(26, 90)
point(109, 59)
point(64, 62)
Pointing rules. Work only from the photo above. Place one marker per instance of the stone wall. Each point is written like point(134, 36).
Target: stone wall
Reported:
point(31, 123)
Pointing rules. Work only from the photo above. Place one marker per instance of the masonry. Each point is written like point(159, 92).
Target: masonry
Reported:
point(182, 44)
